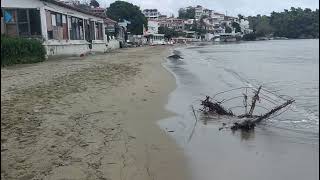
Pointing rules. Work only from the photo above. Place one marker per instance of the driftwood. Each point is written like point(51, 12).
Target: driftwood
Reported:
point(215, 107)
point(254, 100)
point(250, 124)
point(175, 56)
point(195, 124)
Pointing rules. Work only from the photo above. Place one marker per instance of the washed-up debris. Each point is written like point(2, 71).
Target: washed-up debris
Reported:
point(248, 120)
point(214, 107)
point(175, 56)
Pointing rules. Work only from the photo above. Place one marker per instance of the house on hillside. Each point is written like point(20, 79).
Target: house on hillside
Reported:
point(172, 23)
point(64, 29)
point(198, 12)
point(151, 14)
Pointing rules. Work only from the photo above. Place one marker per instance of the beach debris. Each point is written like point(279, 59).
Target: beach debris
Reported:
point(248, 120)
point(175, 56)
point(195, 124)
point(214, 107)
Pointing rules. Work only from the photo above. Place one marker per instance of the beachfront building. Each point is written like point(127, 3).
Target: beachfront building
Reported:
point(155, 39)
point(152, 36)
point(151, 14)
point(190, 34)
point(64, 29)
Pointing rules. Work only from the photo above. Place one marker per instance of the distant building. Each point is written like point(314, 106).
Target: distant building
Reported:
point(230, 18)
point(153, 27)
point(198, 12)
point(151, 14)
point(189, 21)
point(172, 23)
point(218, 16)
point(162, 17)
point(98, 10)
point(201, 12)
point(71, 2)
point(207, 12)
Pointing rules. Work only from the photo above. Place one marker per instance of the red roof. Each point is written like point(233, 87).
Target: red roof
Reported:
point(108, 20)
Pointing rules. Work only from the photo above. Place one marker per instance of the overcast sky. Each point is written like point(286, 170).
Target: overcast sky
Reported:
point(232, 7)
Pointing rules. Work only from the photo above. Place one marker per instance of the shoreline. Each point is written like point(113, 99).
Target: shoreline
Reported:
point(90, 117)
point(290, 154)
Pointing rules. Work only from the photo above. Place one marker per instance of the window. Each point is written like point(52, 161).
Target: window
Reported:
point(99, 31)
point(22, 22)
point(59, 19)
point(76, 28)
point(57, 26)
point(35, 22)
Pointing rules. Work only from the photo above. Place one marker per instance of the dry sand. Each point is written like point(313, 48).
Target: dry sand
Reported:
point(89, 118)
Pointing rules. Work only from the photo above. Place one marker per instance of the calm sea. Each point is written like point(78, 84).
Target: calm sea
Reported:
point(283, 147)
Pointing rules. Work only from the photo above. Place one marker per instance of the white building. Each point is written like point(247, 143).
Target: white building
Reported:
point(207, 12)
point(189, 21)
point(208, 36)
point(198, 12)
point(153, 27)
point(153, 38)
point(64, 29)
point(151, 14)
point(172, 23)
point(218, 16)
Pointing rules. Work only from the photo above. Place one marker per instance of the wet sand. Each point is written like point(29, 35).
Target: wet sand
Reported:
point(89, 118)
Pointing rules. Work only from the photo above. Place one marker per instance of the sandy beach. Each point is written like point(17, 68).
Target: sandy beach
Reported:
point(89, 118)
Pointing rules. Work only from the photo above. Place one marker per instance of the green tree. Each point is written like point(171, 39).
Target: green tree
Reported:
point(121, 10)
point(263, 27)
point(170, 33)
point(236, 26)
point(293, 23)
point(186, 13)
point(94, 3)
point(228, 29)
point(240, 16)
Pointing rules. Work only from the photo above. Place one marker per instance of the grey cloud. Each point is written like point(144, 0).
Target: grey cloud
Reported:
point(232, 7)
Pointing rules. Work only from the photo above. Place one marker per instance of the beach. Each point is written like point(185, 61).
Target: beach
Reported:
point(90, 117)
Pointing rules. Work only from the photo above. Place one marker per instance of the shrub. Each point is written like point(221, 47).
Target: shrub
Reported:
point(21, 51)
point(249, 37)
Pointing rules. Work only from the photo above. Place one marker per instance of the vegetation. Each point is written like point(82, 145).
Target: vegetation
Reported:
point(228, 29)
point(293, 23)
point(121, 10)
point(170, 33)
point(94, 3)
point(236, 26)
point(249, 37)
point(21, 51)
point(199, 27)
point(186, 13)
